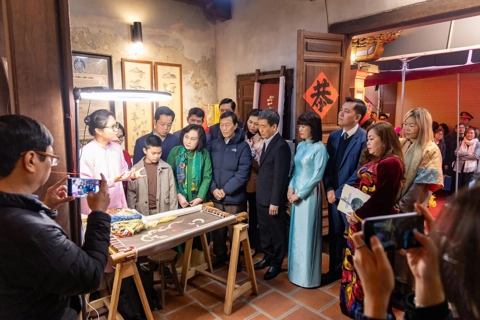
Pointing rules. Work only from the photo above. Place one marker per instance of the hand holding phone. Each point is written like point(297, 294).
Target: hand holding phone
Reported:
point(57, 194)
point(394, 231)
point(100, 200)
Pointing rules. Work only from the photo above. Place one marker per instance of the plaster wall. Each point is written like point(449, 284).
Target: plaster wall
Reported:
point(262, 35)
point(343, 10)
point(173, 32)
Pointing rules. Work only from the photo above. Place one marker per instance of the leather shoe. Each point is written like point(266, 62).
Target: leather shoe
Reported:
point(262, 264)
point(219, 260)
point(330, 277)
point(272, 273)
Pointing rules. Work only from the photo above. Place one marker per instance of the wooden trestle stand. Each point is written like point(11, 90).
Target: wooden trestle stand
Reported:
point(233, 290)
point(123, 258)
point(124, 261)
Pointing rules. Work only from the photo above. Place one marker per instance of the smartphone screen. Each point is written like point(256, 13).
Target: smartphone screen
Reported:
point(394, 231)
point(79, 188)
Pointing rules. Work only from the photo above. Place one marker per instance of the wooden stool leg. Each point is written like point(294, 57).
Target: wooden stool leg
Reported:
point(162, 275)
point(175, 279)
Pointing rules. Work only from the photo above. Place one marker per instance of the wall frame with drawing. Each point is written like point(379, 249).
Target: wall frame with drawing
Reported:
point(91, 70)
point(168, 77)
point(137, 75)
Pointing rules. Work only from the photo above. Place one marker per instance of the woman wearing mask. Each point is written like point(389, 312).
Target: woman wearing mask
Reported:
point(104, 155)
point(380, 176)
point(305, 195)
point(252, 137)
point(468, 153)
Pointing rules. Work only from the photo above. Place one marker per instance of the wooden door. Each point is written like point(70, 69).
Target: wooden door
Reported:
point(330, 54)
point(244, 97)
point(327, 53)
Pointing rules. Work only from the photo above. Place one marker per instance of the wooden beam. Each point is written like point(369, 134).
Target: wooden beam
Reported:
point(428, 12)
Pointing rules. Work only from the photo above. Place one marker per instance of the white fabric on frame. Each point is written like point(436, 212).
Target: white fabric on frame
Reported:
point(256, 95)
point(281, 101)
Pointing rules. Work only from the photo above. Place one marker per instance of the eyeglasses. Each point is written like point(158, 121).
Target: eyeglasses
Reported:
point(114, 127)
point(121, 138)
point(53, 158)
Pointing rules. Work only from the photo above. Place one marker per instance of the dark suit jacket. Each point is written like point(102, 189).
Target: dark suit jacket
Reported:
point(167, 145)
point(272, 179)
point(349, 165)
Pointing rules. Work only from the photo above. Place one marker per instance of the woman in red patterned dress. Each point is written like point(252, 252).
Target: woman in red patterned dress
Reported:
point(380, 176)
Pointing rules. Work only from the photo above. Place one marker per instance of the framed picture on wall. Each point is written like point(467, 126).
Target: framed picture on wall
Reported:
point(91, 70)
point(168, 78)
point(137, 75)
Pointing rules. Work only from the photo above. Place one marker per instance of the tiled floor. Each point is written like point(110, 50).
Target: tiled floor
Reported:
point(277, 299)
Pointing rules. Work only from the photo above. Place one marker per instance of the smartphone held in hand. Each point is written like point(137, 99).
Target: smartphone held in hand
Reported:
point(395, 231)
point(80, 188)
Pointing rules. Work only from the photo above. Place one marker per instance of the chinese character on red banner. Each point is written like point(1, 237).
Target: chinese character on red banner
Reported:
point(321, 95)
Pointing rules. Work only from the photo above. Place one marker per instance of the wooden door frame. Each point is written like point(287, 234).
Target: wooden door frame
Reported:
point(302, 51)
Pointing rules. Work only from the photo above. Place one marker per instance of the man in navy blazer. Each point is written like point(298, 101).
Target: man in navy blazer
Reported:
point(344, 147)
point(164, 117)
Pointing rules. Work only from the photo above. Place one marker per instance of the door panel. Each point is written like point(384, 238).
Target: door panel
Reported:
point(327, 53)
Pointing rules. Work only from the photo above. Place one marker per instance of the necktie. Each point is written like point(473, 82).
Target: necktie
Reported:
point(345, 136)
point(264, 147)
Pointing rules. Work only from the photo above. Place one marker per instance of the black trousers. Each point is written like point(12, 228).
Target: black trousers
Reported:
point(253, 234)
point(273, 234)
point(220, 235)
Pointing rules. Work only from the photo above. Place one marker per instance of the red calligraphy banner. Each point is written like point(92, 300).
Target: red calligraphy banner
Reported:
point(269, 96)
point(321, 95)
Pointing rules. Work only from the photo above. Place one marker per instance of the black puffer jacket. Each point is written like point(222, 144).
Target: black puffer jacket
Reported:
point(231, 167)
point(41, 271)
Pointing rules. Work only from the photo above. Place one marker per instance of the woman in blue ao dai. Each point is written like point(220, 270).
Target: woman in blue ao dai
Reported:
point(305, 195)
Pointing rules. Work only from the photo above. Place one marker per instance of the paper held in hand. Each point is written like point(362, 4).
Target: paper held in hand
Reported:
point(351, 199)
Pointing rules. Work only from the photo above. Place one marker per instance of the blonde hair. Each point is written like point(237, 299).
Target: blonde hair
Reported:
point(423, 118)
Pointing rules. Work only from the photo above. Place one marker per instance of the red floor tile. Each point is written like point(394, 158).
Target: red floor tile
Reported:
point(333, 312)
point(313, 298)
point(192, 311)
point(302, 313)
point(173, 301)
point(275, 304)
point(240, 310)
point(209, 294)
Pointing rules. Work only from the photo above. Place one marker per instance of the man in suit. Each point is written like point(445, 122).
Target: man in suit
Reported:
point(225, 105)
point(344, 147)
point(164, 117)
point(272, 184)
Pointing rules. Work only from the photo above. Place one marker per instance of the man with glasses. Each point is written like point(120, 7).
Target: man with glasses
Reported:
point(164, 117)
point(42, 271)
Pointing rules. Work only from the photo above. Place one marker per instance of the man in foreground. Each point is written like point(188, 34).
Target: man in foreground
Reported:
point(41, 271)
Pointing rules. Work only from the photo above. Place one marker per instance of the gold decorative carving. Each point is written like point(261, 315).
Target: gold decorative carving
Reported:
point(371, 48)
